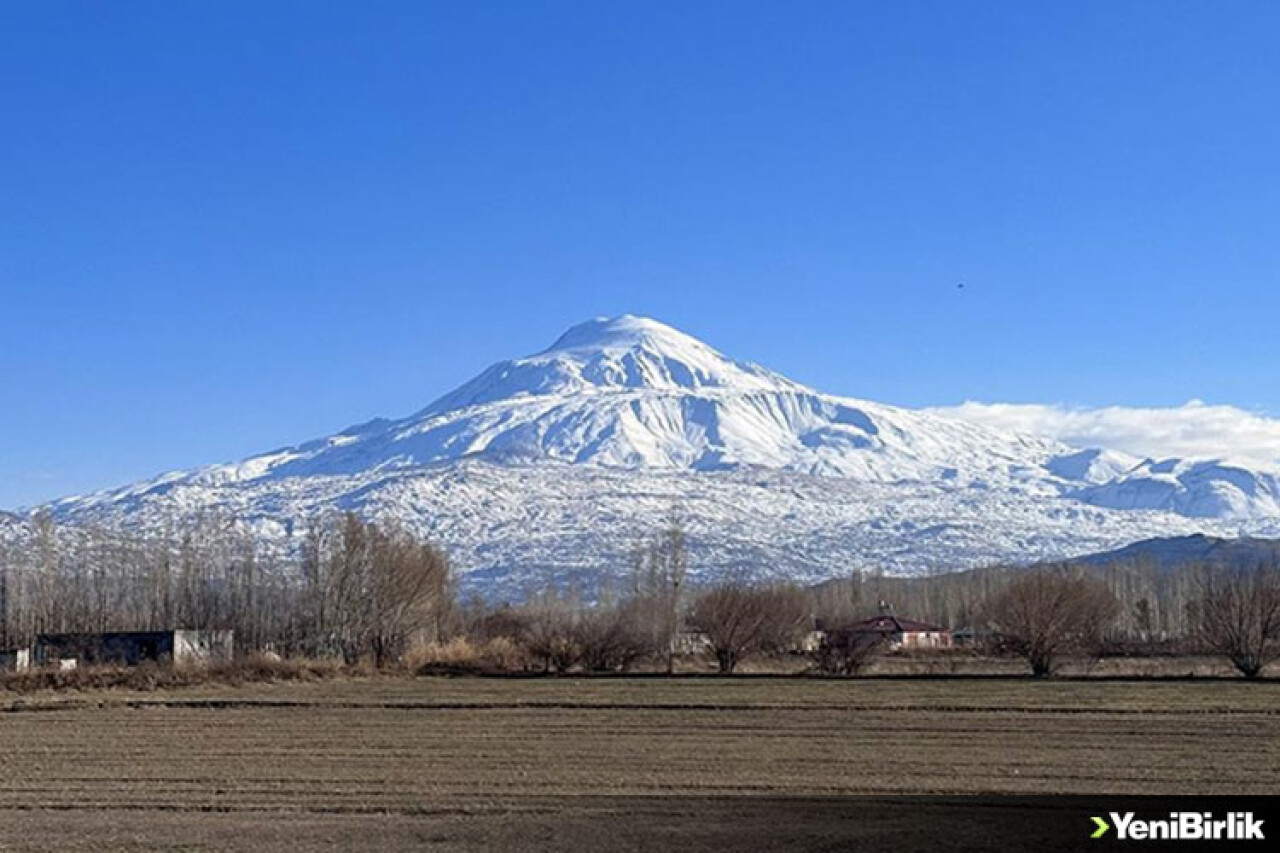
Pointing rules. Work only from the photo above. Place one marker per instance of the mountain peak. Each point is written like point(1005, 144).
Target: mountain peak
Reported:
point(614, 354)
point(623, 331)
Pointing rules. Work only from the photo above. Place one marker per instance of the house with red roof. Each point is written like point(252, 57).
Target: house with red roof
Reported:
point(896, 632)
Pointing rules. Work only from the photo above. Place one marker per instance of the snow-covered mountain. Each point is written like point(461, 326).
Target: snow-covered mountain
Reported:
point(560, 462)
point(1200, 489)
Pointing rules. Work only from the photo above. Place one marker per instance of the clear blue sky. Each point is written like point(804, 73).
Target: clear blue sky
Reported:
point(233, 227)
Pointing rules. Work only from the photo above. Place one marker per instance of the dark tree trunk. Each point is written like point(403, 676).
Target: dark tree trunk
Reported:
point(727, 660)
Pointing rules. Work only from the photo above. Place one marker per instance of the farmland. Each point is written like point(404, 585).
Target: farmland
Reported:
point(474, 763)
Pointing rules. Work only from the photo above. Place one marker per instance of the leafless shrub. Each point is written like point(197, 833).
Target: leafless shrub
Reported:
point(482, 622)
point(549, 631)
point(613, 638)
point(562, 633)
point(847, 652)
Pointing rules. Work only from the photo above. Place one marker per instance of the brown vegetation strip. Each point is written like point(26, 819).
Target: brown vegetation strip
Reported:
point(30, 706)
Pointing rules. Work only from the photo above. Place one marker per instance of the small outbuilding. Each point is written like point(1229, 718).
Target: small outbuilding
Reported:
point(131, 648)
point(15, 660)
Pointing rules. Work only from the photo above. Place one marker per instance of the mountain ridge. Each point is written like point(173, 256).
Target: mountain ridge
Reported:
point(1197, 548)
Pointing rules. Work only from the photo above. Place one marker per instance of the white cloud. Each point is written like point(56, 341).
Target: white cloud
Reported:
point(1194, 430)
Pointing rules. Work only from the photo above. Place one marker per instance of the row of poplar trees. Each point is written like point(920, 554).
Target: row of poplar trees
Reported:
point(359, 589)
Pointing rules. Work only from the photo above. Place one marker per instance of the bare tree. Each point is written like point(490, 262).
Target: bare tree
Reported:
point(675, 552)
point(1044, 614)
point(739, 620)
point(370, 589)
point(406, 594)
point(1238, 614)
point(659, 568)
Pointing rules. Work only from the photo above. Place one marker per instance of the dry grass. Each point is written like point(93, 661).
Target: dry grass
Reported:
point(462, 655)
point(254, 669)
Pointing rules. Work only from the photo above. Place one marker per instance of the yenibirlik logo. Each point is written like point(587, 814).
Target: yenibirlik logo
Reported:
point(1182, 826)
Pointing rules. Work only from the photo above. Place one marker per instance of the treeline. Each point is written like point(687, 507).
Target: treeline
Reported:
point(360, 591)
point(357, 590)
point(1154, 603)
point(1049, 612)
point(726, 623)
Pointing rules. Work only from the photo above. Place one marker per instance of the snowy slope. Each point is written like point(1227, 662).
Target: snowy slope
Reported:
point(1094, 466)
point(559, 462)
point(1199, 489)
